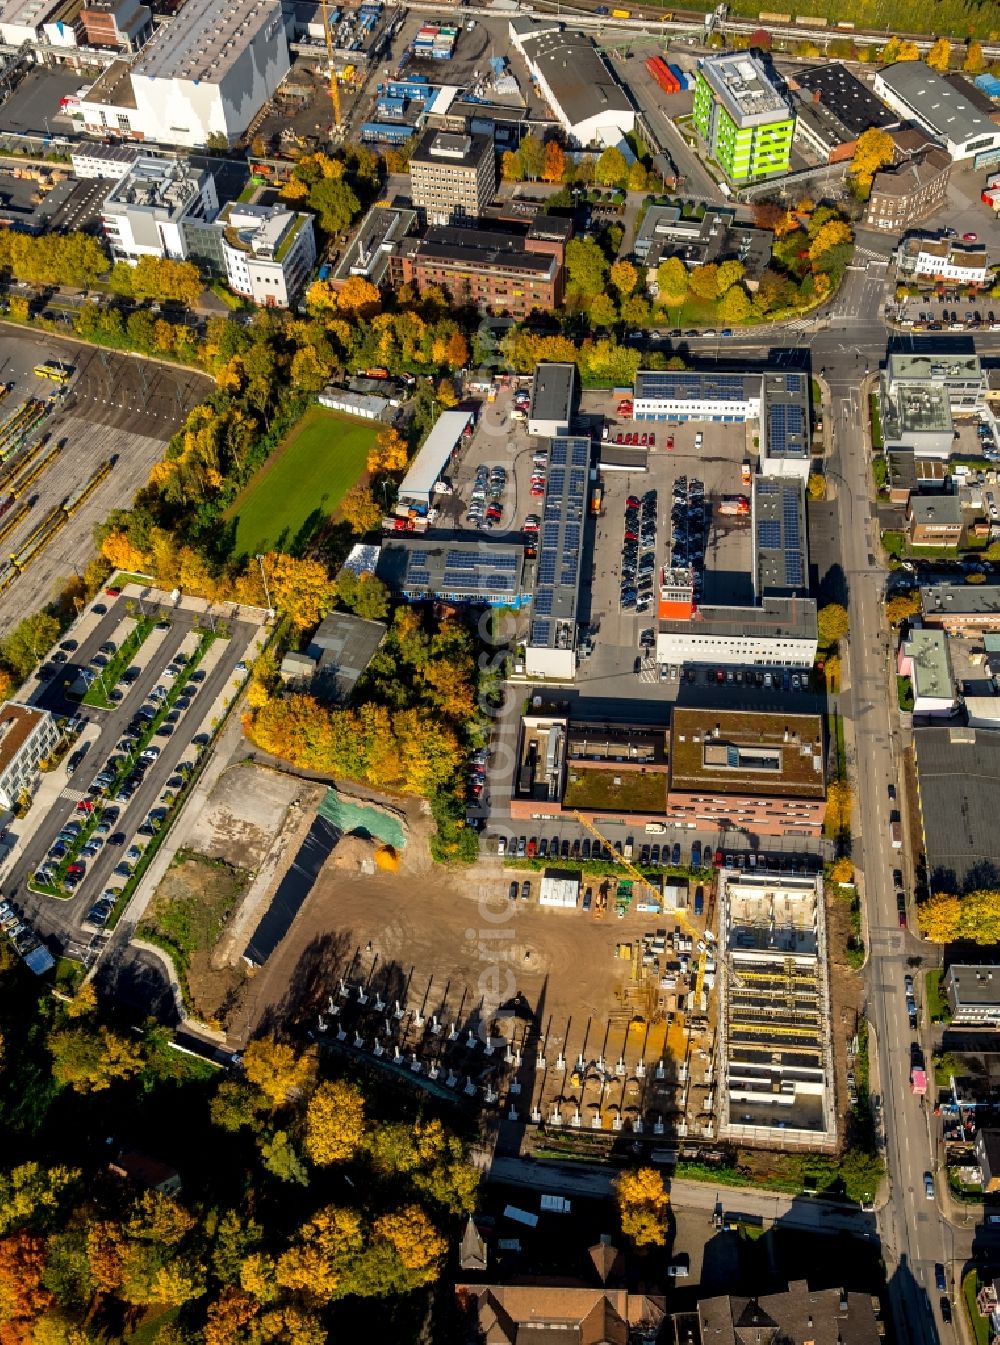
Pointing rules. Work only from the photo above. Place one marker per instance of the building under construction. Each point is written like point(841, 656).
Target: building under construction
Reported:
point(775, 1051)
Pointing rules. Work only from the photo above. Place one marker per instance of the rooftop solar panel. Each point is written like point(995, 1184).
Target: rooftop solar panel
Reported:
point(769, 533)
point(540, 630)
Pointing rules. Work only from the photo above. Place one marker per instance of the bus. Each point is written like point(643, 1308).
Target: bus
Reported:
point(54, 369)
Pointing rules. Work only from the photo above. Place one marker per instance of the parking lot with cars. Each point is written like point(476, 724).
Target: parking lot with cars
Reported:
point(131, 763)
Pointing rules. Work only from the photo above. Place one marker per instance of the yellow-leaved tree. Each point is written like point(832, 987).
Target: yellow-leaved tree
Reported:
point(642, 1206)
point(335, 1123)
point(281, 1073)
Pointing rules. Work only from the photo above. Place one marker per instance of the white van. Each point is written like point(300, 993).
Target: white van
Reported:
point(699, 439)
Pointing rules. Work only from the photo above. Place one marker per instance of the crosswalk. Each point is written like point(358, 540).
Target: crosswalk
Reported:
point(72, 795)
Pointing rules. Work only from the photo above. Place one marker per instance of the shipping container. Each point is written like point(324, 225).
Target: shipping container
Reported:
point(808, 21)
point(766, 17)
point(621, 13)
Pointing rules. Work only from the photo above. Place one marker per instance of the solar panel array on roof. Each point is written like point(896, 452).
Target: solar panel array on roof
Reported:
point(560, 539)
point(769, 534)
point(784, 429)
point(677, 385)
point(486, 572)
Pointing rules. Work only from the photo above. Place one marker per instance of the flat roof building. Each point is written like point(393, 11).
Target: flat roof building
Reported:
point(91, 159)
point(453, 176)
point(268, 251)
point(342, 648)
point(973, 995)
point(550, 650)
point(428, 466)
point(846, 97)
point(775, 1046)
point(925, 659)
point(915, 91)
point(961, 608)
point(122, 24)
point(780, 632)
point(780, 553)
point(958, 788)
point(496, 272)
point(145, 214)
point(586, 99)
point(552, 390)
point(762, 773)
point(931, 257)
point(934, 520)
point(369, 254)
point(779, 399)
point(745, 119)
point(209, 71)
point(21, 20)
point(960, 373)
point(718, 236)
point(485, 573)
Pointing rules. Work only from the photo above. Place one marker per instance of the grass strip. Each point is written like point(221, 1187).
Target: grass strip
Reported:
point(111, 674)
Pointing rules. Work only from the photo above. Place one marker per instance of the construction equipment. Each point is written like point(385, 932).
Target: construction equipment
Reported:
point(334, 85)
point(639, 877)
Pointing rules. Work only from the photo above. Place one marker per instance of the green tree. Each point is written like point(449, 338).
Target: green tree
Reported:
point(532, 156)
point(334, 204)
point(730, 273)
point(672, 282)
point(281, 1159)
point(586, 268)
point(29, 642)
point(611, 170)
point(602, 311)
point(734, 305)
point(902, 607)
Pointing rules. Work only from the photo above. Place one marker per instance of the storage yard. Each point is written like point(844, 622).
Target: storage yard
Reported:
point(70, 451)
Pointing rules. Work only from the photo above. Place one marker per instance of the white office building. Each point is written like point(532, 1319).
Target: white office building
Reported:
point(27, 735)
point(268, 251)
point(779, 632)
point(146, 213)
point(22, 20)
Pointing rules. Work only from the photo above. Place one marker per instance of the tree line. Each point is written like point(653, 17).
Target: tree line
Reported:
point(300, 1190)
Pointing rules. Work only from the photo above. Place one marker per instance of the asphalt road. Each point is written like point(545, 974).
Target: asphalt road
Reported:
point(59, 921)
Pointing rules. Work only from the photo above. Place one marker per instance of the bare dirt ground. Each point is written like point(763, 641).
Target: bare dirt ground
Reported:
point(244, 814)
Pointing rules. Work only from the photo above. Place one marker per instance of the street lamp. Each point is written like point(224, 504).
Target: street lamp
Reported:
point(267, 591)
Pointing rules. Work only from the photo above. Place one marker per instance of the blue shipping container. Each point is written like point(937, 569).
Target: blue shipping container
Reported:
point(989, 84)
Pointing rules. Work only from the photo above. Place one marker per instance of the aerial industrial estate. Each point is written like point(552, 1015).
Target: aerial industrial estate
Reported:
point(499, 673)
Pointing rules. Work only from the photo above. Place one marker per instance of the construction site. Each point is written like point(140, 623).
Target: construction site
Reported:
point(775, 1048)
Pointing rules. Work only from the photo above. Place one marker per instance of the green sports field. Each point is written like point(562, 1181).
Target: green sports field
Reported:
point(302, 482)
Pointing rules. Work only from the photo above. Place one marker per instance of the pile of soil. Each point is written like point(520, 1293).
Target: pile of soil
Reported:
point(354, 854)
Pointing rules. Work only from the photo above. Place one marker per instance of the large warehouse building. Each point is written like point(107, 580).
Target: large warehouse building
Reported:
point(922, 95)
point(204, 75)
point(587, 101)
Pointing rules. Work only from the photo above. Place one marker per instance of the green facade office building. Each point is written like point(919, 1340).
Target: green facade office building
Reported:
point(746, 121)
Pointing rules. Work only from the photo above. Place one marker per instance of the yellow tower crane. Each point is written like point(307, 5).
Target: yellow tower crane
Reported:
point(637, 876)
point(334, 86)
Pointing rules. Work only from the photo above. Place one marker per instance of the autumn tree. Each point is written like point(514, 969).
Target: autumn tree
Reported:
point(360, 509)
point(34, 1195)
point(510, 166)
point(281, 1073)
point(358, 298)
point(874, 150)
point(638, 178)
point(281, 1158)
point(939, 56)
point(301, 588)
point(456, 353)
point(704, 282)
point(734, 306)
point(23, 1295)
point(624, 277)
point(939, 918)
point(729, 273)
point(586, 268)
point(902, 607)
point(832, 234)
point(602, 311)
point(832, 624)
point(975, 61)
point(335, 1123)
point(554, 167)
point(839, 803)
point(672, 282)
point(419, 1246)
point(842, 870)
point(816, 486)
point(388, 453)
point(642, 1206)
